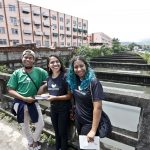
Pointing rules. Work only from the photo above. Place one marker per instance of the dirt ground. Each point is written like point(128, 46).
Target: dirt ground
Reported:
point(11, 137)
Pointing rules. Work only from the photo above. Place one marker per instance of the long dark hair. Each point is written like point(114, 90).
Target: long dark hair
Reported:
point(62, 68)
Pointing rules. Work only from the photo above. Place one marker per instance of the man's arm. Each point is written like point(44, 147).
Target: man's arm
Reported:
point(15, 94)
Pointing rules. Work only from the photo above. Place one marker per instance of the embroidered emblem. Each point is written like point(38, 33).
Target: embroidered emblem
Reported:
point(53, 85)
point(28, 79)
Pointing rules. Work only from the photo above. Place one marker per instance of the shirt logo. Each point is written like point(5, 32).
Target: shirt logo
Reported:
point(53, 85)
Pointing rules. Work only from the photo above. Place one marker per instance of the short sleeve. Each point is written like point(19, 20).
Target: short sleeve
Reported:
point(97, 90)
point(13, 81)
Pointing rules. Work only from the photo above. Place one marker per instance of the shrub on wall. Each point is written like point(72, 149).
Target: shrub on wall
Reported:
point(145, 56)
point(88, 52)
point(4, 69)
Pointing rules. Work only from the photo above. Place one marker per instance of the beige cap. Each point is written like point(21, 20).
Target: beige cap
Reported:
point(28, 51)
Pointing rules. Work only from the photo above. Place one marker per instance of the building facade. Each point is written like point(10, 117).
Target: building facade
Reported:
point(23, 23)
point(98, 39)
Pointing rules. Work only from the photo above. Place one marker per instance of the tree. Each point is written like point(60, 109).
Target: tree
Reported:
point(116, 46)
point(131, 46)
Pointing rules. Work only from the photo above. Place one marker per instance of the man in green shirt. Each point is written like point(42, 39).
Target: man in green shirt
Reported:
point(23, 86)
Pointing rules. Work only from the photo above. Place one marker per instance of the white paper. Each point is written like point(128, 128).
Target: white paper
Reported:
point(41, 97)
point(84, 144)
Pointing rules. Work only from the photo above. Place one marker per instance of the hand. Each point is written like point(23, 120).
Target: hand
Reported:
point(51, 97)
point(29, 99)
point(90, 136)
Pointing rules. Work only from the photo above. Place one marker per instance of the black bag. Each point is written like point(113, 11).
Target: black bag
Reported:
point(105, 126)
point(72, 113)
point(71, 127)
point(72, 110)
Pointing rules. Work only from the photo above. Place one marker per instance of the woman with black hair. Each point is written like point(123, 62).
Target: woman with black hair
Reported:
point(59, 97)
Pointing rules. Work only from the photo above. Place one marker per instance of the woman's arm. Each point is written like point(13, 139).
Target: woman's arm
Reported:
point(68, 96)
point(42, 89)
point(97, 109)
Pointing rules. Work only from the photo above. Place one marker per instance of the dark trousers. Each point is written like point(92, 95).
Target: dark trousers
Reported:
point(60, 121)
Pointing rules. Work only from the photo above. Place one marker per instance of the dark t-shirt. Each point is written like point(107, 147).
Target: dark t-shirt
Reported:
point(58, 86)
point(84, 101)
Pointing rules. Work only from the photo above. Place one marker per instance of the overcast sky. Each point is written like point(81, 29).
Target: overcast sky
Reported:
point(127, 20)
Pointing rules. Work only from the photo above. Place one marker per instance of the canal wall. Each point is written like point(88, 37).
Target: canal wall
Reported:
point(140, 139)
point(11, 56)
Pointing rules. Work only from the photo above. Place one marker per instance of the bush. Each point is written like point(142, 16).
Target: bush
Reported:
point(4, 69)
point(146, 56)
point(88, 52)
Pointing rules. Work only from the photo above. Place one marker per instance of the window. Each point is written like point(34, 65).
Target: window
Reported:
point(1, 18)
point(68, 44)
point(74, 23)
point(62, 36)
point(3, 42)
point(14, 31)
point(61, 19)
point(79, 24)
point(27, 32)
point(27, 41)
point(84, 31)
point(36, 13)
point(84, 25)
point(54, 26)
point(15, 42)
point(67, 21)
point(0, 5)
point(79, 44)
point(67, 28)
point(46, 24)
point(38, 33)
point(68, 35)
point(38, 43)
point(12, 8)
point(37, 26)
point(2, 30)
point(47, 43)
point(74, 36)
point(55, 34)
point(26, 10)
point(55, 44)
point(62, 43)
point(75, 30)
point(45, 15)
point(84, 38)
point(47, 37)
point(61, 27)
point(53, 17)
point(26, 21)
point(13, 20)
point(74, 44)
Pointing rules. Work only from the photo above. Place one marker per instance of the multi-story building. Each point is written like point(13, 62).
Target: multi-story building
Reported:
point(23, 23)
point(98, 39)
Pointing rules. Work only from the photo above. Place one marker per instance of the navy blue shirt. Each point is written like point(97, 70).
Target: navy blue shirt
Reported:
point(57, 87)
point(84, 101)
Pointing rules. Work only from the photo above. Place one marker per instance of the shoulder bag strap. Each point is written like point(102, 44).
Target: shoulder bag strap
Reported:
point(91, 91)
point(32, 81)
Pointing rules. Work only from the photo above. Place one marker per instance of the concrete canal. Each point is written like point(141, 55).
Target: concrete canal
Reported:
point(127, 104)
